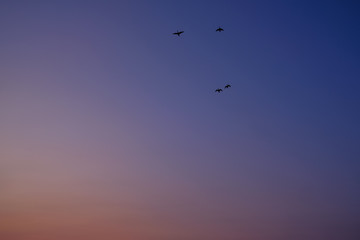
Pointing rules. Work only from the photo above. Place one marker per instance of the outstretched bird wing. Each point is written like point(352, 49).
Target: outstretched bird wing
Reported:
point(178, 33)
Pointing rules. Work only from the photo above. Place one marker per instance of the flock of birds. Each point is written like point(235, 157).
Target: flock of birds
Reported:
point(218, 90)
point(180, 32)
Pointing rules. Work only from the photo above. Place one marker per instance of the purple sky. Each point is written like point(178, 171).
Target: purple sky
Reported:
point(110, 127)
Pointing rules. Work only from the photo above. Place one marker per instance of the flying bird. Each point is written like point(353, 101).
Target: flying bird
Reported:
point(219, 29)
point(227, 86)
point(218, 90)
point(178, 33)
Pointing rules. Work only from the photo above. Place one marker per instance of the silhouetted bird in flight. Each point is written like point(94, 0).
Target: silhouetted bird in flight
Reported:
point(218, 90)
point(178, 33)
point(227, 86)
point(219, 29)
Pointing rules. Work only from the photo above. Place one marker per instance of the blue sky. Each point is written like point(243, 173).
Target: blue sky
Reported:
point(105, 114)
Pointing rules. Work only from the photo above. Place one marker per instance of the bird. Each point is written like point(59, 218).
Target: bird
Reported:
point(178, 33)
point(218, 90)
point(227, 86)
point(219, 29)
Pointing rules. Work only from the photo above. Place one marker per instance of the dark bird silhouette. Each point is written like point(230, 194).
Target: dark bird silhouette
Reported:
point(227, 86)
point(219, 29)
point(178, 33)
point(218, 90)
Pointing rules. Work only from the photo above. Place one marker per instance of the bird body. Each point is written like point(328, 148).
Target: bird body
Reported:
point(178, 33)
point(219, 29)
point(227, 86)
point(218, 90)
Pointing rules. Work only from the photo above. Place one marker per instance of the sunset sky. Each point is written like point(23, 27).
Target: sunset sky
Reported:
point(110, 127)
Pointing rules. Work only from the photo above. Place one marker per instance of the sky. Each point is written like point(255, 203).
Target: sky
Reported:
point(110, 127)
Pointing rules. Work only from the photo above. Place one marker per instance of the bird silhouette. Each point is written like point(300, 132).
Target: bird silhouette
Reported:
point(178, 33)
point(227, 86)
point(218, 90)
point(219, 29)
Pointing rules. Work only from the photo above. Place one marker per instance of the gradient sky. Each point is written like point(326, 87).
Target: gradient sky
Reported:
point(110, 127)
